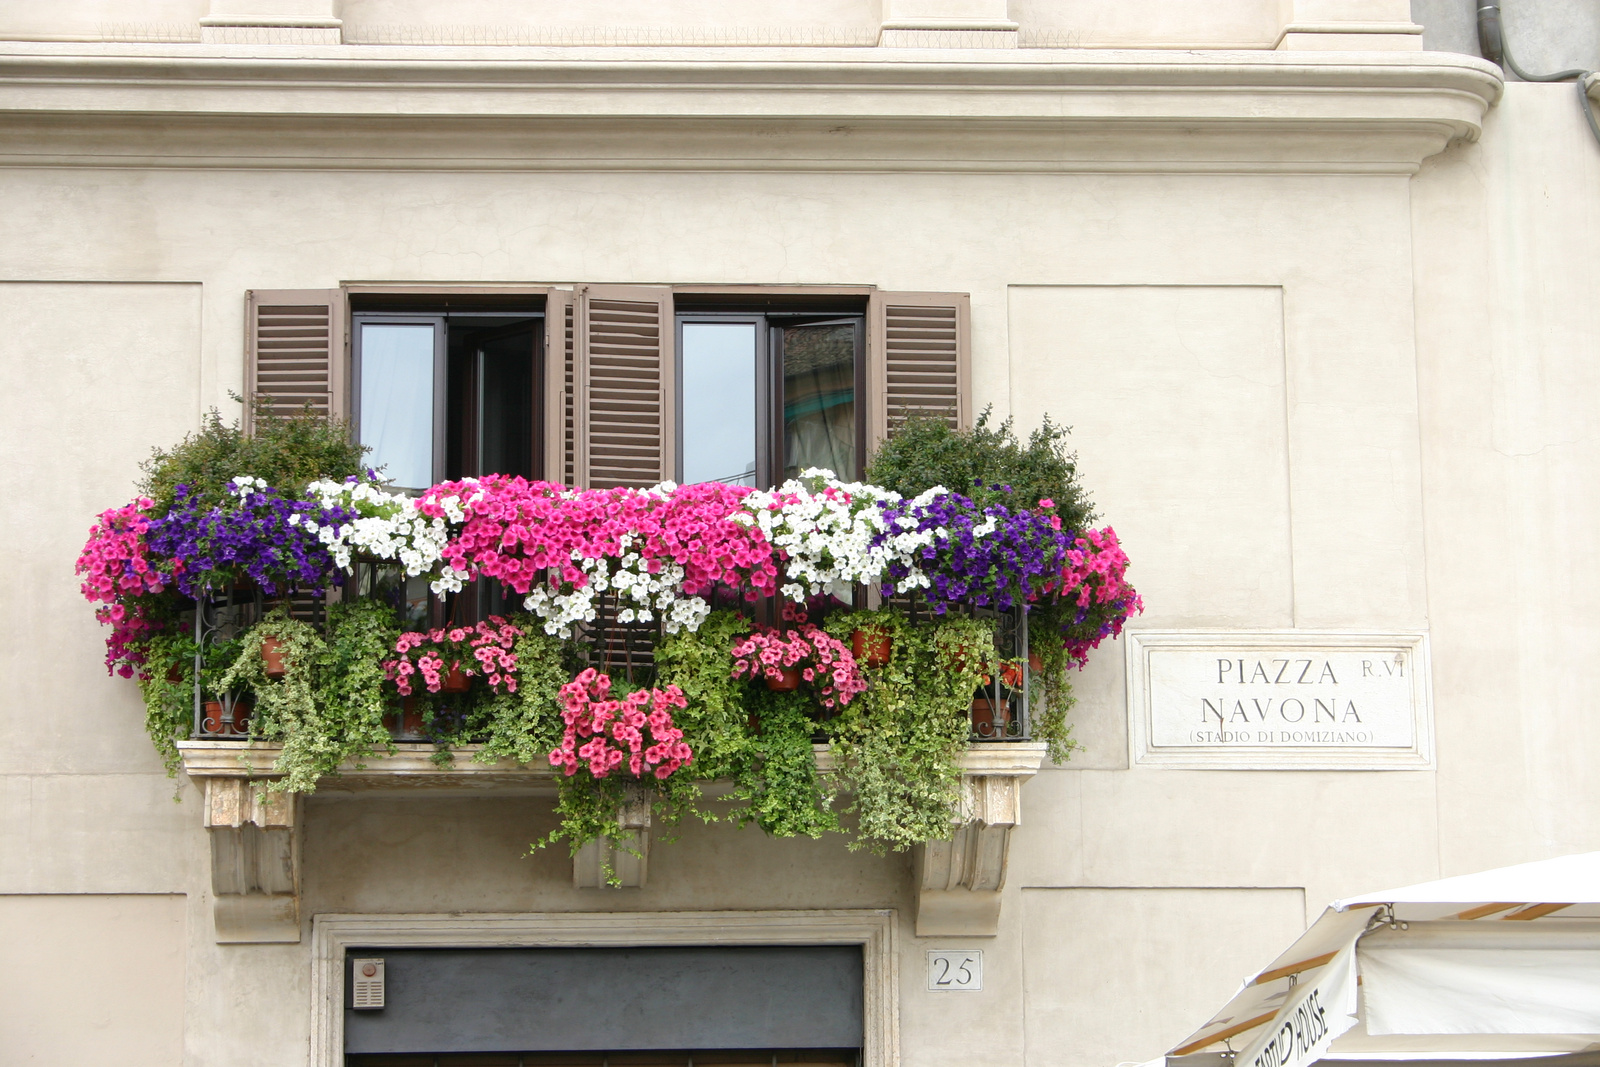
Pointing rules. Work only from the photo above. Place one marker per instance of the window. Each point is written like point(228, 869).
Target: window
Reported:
point(448, 395)
point(763, 395)
point(744, 384)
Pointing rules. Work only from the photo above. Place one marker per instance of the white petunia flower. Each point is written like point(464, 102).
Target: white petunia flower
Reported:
point(833, 534)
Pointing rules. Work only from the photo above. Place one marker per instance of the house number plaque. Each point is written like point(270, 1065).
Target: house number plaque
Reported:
point(955, 968)
point(1289, 699)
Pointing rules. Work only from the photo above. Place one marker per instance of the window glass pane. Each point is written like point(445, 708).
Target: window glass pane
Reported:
point(397, 401)
point(505, 405)
point(819, 399)
point(719, 402)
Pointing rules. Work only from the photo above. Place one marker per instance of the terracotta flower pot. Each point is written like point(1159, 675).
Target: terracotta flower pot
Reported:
point(218, 718)
point(871, 648)
point(455, 681)
point(272, 657)
point(406, 724)
point(786, 684)
point(988, 718)
point(1035, 661)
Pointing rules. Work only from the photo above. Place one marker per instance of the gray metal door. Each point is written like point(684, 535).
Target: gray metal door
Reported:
point(753, 999)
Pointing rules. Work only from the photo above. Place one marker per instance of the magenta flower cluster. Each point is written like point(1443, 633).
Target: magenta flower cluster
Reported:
point(114, 562)
point(519, 531)
point(604, 733)
point(823, 661)
point(484, 649)
point(116, 569)
point(1094, 580)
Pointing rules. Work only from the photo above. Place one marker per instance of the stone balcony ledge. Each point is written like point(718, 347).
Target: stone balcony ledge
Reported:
point(255, 835)
point(412, 766)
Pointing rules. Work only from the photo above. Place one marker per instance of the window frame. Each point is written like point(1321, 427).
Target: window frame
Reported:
point(441, 405)
point(769, 322)
point(429, 311)
point(440, 309)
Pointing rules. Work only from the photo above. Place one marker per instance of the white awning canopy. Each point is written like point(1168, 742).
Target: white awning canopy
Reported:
point(1499, 965)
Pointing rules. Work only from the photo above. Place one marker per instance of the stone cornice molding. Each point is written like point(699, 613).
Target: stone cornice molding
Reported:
point(697, 108)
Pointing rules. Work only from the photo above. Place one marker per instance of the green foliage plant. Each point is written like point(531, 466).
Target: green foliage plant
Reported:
point(897, 747)
point(168, 690)
point(779, 786)
point(742, 731)
point(525, 725)
point(983, 463)
point(288, 451)
point(328, 708)
point(1050, 690)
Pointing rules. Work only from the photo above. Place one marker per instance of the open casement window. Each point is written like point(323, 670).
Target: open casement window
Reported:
point(918, 360)
point(771, 388)
point(449, 385)
point(439, 384)
point(747, 385)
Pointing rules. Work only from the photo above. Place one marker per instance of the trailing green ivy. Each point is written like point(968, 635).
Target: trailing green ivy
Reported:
point(779, 785)
point(168, 690)
point(898, 745)
point(1051, 697)
point(525, 725)
point(741, 731)
point(329, 706)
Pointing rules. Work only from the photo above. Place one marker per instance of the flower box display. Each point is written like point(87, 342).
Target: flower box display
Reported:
point(659, 637)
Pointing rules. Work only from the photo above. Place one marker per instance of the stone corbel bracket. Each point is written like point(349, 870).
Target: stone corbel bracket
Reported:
point(255, 861)
point(959, 881)
point(603, 865)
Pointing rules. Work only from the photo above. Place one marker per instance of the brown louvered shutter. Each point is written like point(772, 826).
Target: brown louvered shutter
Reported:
point(294, 351)
point(624, 395)
point(559, 381)
point(918, 360)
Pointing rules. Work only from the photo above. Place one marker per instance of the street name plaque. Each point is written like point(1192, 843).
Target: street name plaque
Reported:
point(1288, 699)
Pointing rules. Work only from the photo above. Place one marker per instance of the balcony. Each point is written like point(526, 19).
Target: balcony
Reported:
point(795, 656)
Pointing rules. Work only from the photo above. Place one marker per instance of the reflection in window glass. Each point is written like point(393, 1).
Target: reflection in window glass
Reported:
point(408, 596)
point(719, 402)
point(819, 398)
point(396, 408)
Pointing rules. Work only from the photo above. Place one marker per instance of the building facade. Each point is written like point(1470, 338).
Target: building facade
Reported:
point(1313, 287)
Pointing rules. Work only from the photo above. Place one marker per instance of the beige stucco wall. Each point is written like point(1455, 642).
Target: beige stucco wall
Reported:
point(92, 979)
point(1306, 399)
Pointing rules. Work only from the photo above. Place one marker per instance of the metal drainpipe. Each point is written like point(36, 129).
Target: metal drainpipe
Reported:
point(1492, 43)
